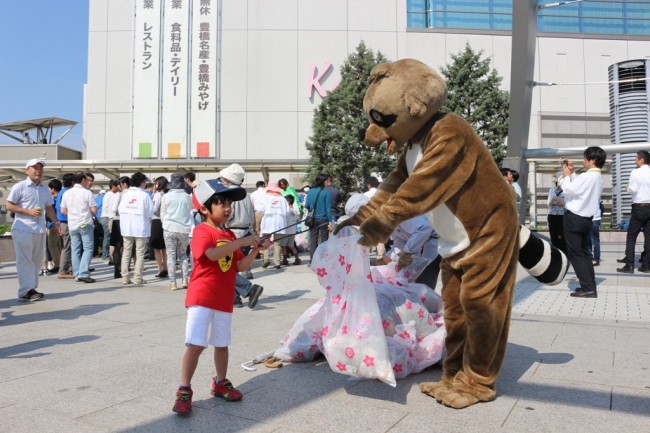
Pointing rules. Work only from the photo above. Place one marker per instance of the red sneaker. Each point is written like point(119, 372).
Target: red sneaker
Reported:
point(183, 404)
point(297, 262)
point(225, 390)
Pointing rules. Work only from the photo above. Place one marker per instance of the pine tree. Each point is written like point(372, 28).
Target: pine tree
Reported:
point(474, 95)
point(334, 148)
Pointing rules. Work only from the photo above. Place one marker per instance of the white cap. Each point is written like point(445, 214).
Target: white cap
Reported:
point(354, 203)
point(234, 173)
point(33, 162)
point(102, 191)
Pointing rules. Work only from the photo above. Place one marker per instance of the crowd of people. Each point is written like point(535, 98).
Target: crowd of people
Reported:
point(218, 230)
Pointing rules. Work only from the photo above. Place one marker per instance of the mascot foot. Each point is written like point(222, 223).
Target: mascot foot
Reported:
point(456, 399)
point(431, 387)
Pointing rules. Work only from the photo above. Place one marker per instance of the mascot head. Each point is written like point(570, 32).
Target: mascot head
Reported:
point(401, 98)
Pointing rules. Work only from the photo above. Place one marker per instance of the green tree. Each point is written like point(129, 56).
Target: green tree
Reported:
point(334, 148)
point(474, 94)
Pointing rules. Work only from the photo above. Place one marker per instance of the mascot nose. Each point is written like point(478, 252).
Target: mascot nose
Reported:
point(362, 134)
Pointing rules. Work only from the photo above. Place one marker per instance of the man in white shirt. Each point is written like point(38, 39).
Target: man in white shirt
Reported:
point(639, 188)
point(28, 199)
point(372, 184)
point(582, 200)
point(136, 211)
point(79, 205)
point(106, 217)
point(258, 199)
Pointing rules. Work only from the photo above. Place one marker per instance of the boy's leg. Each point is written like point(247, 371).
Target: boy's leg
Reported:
point(190, 361)
point(220, 338)
point(221, 362)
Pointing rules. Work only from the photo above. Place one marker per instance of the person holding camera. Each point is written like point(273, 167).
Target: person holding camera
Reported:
point(582, 201)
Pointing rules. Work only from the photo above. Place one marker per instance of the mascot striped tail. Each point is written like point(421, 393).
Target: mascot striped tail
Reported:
point(542, 260)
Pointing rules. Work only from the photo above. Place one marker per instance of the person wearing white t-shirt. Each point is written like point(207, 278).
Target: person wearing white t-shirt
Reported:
point(136, 211)
point(258, 198)
point(639, 188)
point(79, 205)
point(274, 210)
point(582, 200)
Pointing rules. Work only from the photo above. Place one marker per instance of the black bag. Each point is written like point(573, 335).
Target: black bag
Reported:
point(310, 220)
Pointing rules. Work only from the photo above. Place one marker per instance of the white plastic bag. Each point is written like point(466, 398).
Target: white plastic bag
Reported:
point(353, 336)
point(304, 341)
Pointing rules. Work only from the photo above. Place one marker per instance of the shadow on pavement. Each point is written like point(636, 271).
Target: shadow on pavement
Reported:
point(8, 319)
point(11, 352)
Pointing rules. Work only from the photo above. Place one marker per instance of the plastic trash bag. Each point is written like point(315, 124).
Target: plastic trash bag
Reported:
point(353, 337)
point(304, 341)
point(373, 322)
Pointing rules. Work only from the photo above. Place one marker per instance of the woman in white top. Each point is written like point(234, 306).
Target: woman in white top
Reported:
point(176, 216)
point(157, 239)
point(275, 210)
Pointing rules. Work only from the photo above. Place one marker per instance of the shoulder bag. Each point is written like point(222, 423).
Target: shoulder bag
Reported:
point(309, 221)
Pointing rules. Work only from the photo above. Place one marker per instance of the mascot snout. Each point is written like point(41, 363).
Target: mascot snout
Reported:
point(374, 135)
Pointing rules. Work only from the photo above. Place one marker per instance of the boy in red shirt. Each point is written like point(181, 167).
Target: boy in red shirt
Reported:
point(211, 291)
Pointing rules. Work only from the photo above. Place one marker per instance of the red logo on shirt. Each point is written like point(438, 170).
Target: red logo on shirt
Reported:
point(133, 200)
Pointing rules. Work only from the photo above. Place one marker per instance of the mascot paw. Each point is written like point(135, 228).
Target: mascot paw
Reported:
point(457, 399)
point(374, 232)
point(352, 221)
point(367, 242)
point(405, 259)
point(431, 387)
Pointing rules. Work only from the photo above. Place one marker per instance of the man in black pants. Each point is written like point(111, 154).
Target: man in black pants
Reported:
point(639, 187)
point(582, 200)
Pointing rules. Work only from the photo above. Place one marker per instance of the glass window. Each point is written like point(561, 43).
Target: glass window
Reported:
point(605, 17)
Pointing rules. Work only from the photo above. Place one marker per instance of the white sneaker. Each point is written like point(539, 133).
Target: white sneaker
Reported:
point(184, 284)
point(172, 286)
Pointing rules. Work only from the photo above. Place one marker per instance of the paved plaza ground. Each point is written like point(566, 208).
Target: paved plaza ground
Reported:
point(102, 357)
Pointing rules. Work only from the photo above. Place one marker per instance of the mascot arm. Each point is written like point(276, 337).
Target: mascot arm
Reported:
point(384, 192)
point(446, 165)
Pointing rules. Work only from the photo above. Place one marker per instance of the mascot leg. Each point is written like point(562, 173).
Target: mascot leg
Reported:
point(478, 303)
point(454, 342)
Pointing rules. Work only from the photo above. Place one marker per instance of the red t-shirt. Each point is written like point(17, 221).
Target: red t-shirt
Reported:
point(212, 284)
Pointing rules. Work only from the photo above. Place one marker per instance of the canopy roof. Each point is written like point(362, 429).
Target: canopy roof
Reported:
point(26, 125)
point(42, 126)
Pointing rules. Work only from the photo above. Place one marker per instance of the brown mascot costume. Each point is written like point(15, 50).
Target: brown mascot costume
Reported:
point(447, 173)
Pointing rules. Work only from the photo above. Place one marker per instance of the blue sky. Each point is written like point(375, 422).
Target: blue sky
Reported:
point(43, 62)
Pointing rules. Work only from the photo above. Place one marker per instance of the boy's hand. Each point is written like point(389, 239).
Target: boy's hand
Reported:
point(264, 245)
point(250, 241)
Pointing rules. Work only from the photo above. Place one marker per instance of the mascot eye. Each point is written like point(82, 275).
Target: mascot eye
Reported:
point(383, 120)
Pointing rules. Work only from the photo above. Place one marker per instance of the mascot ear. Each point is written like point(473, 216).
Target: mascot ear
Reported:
point(416, 107)
point(380, 71)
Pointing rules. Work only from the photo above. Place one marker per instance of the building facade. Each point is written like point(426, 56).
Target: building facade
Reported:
point(262, 66)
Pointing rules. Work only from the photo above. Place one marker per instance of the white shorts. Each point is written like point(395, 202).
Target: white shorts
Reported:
point(200, 319)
